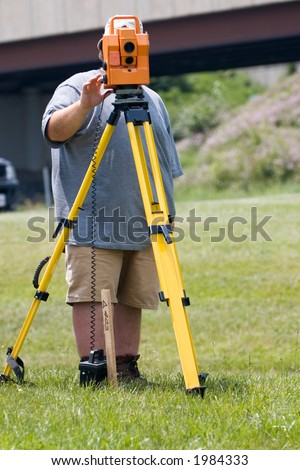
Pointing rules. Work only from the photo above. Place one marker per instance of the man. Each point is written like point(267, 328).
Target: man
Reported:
point(119, 257)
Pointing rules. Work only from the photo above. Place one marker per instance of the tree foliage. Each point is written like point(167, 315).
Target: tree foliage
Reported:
point(197, 102)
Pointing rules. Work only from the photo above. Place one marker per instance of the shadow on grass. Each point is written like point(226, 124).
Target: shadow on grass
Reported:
point(67, 378)
point(234, 385)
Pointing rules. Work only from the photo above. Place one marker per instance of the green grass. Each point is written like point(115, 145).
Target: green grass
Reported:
point(244, 319)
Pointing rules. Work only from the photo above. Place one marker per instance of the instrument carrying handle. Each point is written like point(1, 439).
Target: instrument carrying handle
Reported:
point(125, 17)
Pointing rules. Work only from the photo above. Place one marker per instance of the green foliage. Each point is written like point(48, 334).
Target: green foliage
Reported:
point(196, 102)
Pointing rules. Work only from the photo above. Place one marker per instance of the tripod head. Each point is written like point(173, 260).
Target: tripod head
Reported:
point(125, 51)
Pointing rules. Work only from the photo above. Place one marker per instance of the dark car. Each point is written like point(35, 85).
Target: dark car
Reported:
point(8, 184)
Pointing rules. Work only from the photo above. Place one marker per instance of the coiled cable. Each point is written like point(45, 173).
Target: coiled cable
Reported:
point(94, 233)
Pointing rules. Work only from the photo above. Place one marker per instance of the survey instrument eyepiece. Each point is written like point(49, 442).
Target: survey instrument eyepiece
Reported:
point(124, 50)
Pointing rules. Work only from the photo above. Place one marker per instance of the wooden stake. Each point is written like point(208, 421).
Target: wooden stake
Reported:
point(109, 337)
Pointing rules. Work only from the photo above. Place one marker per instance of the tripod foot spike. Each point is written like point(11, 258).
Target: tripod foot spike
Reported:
point(199, 390)
point(202, 380)
point(4, 378)
point(203, 377)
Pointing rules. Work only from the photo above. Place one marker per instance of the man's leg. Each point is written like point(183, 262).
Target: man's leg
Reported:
point(127, 328)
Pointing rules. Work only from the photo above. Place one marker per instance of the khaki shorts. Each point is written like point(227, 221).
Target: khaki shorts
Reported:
point(130, 275)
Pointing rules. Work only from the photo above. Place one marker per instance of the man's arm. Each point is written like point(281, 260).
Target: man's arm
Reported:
point(64, 123)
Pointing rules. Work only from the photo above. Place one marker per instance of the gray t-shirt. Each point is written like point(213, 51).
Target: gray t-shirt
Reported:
point(116, 211)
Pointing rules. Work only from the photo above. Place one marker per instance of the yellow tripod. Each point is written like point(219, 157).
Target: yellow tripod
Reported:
point(131, 102)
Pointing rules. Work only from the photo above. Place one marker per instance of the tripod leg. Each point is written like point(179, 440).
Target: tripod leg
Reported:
point(41, 293)
point(164, 250)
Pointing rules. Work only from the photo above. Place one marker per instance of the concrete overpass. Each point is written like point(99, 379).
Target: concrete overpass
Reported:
point(184, 36)
point(43, 42)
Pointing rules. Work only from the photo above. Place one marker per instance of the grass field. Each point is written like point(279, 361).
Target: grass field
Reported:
point(240, 265)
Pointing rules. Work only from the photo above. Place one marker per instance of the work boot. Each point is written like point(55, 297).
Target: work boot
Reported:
point(127, 369)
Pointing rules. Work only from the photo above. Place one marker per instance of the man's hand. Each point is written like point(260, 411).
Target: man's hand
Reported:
point(64, 123)
point(93, 93)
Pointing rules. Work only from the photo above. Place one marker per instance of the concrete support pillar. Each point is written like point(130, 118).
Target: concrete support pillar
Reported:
point(33, 151)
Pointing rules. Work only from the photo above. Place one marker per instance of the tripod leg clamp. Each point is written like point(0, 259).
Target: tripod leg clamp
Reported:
point(40, 295)
point(185, 300)
point(164, 229)
point(64, 223)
